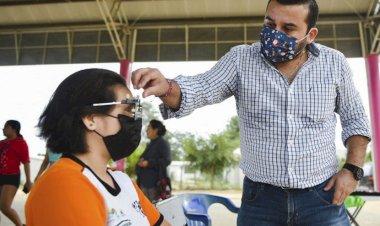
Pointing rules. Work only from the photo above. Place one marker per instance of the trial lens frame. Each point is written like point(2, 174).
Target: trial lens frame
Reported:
point(137, 114)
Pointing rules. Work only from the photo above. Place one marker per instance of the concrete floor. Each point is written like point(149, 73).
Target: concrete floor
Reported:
point(369, 216)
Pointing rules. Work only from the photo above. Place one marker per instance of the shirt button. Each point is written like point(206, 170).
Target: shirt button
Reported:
point(290, 170)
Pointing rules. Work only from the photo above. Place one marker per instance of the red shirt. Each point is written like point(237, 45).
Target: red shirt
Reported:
point(12, 153)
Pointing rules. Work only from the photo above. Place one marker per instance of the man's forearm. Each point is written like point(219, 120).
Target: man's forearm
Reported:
point(356, 150)
point(173, 100)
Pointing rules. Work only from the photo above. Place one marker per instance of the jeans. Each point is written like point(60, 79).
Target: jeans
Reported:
point(268, 205)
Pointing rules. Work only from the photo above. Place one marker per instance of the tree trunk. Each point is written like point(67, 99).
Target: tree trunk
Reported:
point(212, 177)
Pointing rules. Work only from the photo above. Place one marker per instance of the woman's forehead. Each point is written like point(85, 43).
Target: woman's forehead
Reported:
point(122, 93)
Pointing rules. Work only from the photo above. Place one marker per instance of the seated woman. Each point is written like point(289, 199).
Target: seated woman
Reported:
point(91, 118)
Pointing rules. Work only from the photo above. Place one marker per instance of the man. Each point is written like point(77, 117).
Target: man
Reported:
point(288, 91)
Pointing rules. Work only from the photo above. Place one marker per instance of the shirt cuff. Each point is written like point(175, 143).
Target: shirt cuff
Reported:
point(347, 135)
point(160, 220)
point(187, 100)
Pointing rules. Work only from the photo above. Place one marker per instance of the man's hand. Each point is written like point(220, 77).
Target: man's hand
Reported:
point(151, 80)
point(344, 184)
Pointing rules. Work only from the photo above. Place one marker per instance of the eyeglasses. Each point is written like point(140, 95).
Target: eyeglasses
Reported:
point(136, 111)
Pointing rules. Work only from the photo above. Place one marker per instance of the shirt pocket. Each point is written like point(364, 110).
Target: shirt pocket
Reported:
point(265, 108)
point(316, 103)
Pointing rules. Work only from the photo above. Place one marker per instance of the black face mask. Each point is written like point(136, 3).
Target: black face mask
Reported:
point(123, 143)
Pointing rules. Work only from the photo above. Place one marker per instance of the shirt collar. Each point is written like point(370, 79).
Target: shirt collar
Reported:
point(313, 49)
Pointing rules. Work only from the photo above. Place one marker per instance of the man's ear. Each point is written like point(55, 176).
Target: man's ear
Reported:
point(312, 35)
point(89, 122)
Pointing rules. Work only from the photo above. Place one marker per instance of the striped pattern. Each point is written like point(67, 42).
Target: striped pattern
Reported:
point(287, 130)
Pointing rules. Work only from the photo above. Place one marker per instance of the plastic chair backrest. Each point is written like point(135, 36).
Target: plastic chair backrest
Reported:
point(196, 207)
point(353, 201)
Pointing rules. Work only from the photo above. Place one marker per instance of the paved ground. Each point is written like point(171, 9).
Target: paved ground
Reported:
point(369, 216)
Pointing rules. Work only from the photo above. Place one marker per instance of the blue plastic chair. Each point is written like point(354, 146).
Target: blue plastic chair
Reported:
point(195, 207)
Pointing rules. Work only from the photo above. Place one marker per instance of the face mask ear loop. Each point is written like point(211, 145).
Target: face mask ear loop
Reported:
point(298, 41)
point(111, 116)
point(98, 133)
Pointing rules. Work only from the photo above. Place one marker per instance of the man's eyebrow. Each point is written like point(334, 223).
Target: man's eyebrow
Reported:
point(290, 25)
point(269, 18)
point(286, 24)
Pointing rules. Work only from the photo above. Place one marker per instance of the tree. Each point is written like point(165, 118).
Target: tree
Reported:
point(174, 139)
point(176, 143)
point(368, 157)
point(232, 132)
point(210, 156)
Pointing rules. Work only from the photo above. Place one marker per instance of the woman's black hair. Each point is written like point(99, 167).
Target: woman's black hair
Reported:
point(61, 122)
point(15, 125)
point(161, 129)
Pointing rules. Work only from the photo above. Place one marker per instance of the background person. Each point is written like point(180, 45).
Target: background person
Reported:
point(151, 167)
point(13, 152)
point(288, 91)
point(49, 159)
point(91, 119)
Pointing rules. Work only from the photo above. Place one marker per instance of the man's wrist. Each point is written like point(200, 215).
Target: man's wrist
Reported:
point(357, 172)
point(170, 88)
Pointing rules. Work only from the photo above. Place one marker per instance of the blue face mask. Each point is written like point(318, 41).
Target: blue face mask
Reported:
point(278, 47)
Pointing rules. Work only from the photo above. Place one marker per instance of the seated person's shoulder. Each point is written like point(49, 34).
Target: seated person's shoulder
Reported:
point(63, 175)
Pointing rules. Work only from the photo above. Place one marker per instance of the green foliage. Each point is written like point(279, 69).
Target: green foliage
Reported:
point(132, 160)
point(211, 156)
point(232, 132)
point(368, 157)
point(176, 143)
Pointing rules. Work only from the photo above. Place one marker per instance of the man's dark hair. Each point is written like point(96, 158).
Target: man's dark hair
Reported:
point(161, 129)
point(15, 125)
point(313, 10)
point(61, 121)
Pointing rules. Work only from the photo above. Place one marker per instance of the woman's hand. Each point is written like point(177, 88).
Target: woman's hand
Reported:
point(28, 184)
point(143, 163)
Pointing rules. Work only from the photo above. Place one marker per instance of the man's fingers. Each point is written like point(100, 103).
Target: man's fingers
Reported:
point(151, 80)
point(342, 190)
point(152, 90)
point(330, 184)
point(337, 196)
point(137, 75)
point(144, 76)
